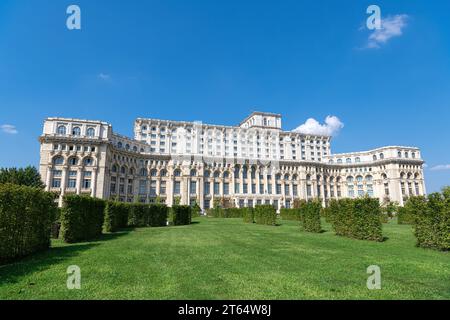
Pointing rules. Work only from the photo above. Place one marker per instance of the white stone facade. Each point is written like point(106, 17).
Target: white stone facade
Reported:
point(253, 163)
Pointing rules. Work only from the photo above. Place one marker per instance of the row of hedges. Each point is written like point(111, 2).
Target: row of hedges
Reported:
point(219, 212)
point(82, 218)
point(181, 215)
point(431, 217)
point(265, 214)
point(26, 217)
point(356, 218)
point(310, 216)
point(308, 213)
point(116, 216)
point(290, 214)
point(144, 215)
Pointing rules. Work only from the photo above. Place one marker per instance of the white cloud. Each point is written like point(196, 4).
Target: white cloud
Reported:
point(9, 129)
point(441, 167)
point(331, 127)
point(104, 76)
point(391, 27)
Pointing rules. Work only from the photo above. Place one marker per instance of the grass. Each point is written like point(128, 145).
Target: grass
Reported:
point(227, 259)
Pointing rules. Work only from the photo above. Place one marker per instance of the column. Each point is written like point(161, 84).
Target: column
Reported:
point(94, 182)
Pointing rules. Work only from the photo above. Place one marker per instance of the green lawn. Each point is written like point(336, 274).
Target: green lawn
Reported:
point(227, 259)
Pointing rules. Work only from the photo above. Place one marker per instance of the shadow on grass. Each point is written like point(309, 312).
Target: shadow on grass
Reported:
point(38, 262)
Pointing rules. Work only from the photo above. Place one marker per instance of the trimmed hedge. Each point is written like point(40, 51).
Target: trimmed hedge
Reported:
point(290, 214)
point(144, 215)
point(26, 217)
point(82, 218)
point(265, 214)
point(228, 212)
point(158, 214)
point(182, 215)
point(310, 216)
point(116, 216)
point(248, 215)
point(432, 221)
point(357, 218)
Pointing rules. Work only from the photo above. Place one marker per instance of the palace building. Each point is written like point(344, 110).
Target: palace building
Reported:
point(253, 163)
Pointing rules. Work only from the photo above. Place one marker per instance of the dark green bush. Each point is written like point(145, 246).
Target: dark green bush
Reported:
point(182, 215)
point(158, 214)
point(431, 221)
point(310, 216)
point(138, 215)
point(82, 218)
point(357, 218)
point(248, 214)
point(26, 217)
point(290, 214)
point(116, 216)
point(265, 214)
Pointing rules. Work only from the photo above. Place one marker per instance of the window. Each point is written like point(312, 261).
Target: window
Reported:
point(348, 160)
point(143, 187)
point(278, 188)
point(226, 188)
point(62, 130)
point(381, 156)
point(237, 188)
point(153, 188)
point(90, 132)
point(358, 160)
point(177, 187)
point(193, 187)
point(58, 161)
point(206, 188)
point(163, 188)
point(177, 173)
point(216, 188)
point(193, 173)
point(88, 162)
point(87, 179)
point(76, 131)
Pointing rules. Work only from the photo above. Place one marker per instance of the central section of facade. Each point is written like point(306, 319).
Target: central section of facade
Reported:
point(192, 162)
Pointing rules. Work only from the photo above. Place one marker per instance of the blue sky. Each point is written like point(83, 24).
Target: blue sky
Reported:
point(216, 61)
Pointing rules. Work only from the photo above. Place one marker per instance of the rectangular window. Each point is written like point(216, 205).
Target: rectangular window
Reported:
point(72, 183)
point(86, 183)
point(254, 188)
point(207, 204)
point(236, 188)
point(278, 188)
point(56, 183)
point(143, 187)
point(245, 188)
point(163, 188)
point(216, 188)
point(286, 189)
point(261, 188)
point(295, 190)
point(153, 188)
point(308, 190)
point(193, 187)
point(206, 188)
point(226, 188)
point(269, 188)
point(177, 187)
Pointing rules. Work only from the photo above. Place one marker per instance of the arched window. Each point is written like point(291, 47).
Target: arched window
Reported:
point(143, 172)
point(399, 154)
point(123, 170)
point(331, 162)
point(131, 171)
point(216, 174)
point(226, 175)
point(384, 176)
point(177, 173)
point(277, 176)
point(62, 130)
point(207, 174)
point(381, 156)
point(374, 157)
point(358, 160)
point(163, 173)
point(135, 149)
point(294, 177)
point(369, 178)
point(114, 168)
point(193, 173)
point(88, 162)
point(413, 155)
point(406, 154)
point(153, 173)
point(286, 177)
point(119, 145)
point(308, 177)
point(350, 179)
point(76, 131)
point(339, 161)
point(142, 149)
point(58, 161)
point(90, 132)
point(348, 160)
point(359, 179)
point(73, 161)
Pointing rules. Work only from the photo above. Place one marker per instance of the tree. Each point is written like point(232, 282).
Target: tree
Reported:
point(28, 176)
point(446, 192)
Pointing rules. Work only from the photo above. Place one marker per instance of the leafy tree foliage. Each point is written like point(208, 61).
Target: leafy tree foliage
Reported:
point(28, 176)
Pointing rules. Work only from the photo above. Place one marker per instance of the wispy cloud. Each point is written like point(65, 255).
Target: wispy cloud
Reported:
point(441, 167)
point(391, 27)
point(104, 76)
point(331, 127)
point(8, 129)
